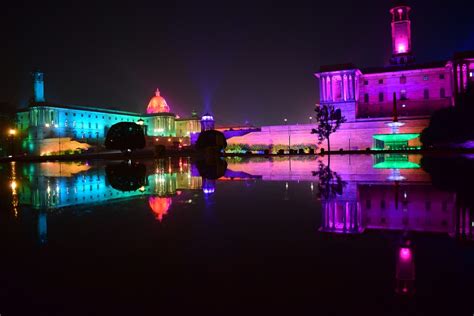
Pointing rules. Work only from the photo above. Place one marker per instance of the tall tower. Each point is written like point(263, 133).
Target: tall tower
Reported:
point(401, 36)
point(38, 86)
point(207, 122)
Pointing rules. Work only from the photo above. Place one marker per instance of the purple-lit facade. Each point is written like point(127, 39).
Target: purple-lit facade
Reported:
point(365, 95)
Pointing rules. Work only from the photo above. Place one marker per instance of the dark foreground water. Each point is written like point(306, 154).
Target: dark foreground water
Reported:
point(361, 235)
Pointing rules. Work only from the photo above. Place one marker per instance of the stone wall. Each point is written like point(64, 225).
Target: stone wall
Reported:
point(354, 136)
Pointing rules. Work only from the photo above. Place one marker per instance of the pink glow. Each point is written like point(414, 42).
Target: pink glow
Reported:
point(464, 76)
point(401, 48)
point(405, 254)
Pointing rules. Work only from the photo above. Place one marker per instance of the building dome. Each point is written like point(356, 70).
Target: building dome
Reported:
point(157, 104)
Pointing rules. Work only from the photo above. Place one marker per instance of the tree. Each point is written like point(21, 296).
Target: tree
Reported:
point(329, 120)
point(211, 140)
point(126, 176)
point(451, 125)
point(330, 183)
point(125, 136)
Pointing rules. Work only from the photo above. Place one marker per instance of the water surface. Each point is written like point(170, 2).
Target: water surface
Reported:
point(382, 235)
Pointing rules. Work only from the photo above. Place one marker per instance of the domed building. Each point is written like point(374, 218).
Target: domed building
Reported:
point(42, 122)
point(157, 104)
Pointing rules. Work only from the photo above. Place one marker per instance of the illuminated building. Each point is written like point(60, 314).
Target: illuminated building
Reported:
point(46, 128)
point(207, 122)
point(157, 104)
point(365, 96)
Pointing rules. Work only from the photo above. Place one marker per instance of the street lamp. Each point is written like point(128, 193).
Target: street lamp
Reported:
point(289, 135)
point(310, 120)
point(12, 133)
point(140, 122)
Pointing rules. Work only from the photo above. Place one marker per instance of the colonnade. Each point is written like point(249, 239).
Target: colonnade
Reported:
point(338, 87)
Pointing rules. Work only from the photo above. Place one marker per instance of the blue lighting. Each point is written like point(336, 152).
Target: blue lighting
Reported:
point(42, 228)
point(38, 86)
point(207, 117)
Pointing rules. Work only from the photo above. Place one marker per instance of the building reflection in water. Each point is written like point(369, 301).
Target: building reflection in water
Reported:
point(13, 186)
point(159, 206)
point(401, 199)
point(45, 187)
point(405, 268)
point(357, 194)
point(382, 193)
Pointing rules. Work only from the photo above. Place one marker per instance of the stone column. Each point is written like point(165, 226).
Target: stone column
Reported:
point(323, 88)
point(331, 82)
point(355, 87)
point(457, 71)
point(343, 87)
point(349, 89)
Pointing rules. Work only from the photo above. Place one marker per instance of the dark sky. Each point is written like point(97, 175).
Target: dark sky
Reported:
point(241, 60)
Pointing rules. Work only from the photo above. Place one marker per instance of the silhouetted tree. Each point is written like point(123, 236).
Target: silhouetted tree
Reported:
point(328, 119)
point(211, 140)
point(211, 167)
point(126, 176)
point(451, 125)
point(125, 136)
point(330, 183)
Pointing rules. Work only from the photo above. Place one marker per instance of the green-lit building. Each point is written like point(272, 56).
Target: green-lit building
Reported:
point(45, 128)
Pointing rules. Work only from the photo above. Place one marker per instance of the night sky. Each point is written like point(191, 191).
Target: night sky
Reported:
point(243, 61)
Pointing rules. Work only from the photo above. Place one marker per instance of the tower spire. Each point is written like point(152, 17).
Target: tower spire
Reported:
point(401, 35)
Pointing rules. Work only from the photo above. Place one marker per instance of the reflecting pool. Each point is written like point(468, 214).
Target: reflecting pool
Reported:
point(349, 235)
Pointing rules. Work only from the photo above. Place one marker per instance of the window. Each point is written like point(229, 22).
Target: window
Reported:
point(403, 79)
point(82, 115)
point(366, 98)
point(90, 125)
point(380, 96)
point(382, 204)
point(441, 76)
point(65, 123)
point(89, 115)
point(442, 93)
point(425, 78)
point(380, 81)
point(73, 114)
point(403, 95)
point(366, 82)
point(65, 113)
point(73, 123)
point(426, 94)
point(97, 125)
